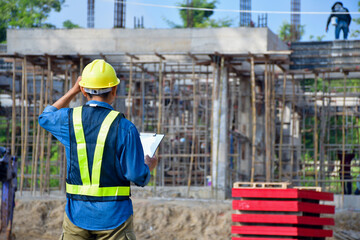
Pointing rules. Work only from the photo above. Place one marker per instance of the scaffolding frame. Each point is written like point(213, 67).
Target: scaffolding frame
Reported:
point(270, 113)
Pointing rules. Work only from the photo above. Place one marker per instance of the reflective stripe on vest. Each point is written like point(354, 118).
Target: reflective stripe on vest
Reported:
point(91, 187)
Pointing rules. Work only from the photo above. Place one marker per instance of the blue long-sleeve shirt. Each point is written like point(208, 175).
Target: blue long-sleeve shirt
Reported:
point(101, 215)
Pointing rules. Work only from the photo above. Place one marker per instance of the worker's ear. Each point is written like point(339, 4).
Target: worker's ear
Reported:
point(113, 91)
point(83, 92)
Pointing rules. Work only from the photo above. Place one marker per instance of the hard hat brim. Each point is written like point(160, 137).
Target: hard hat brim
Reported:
point(83, 82)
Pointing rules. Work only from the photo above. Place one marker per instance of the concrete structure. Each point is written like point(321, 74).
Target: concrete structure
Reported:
point(94, 41)
point(223, 106)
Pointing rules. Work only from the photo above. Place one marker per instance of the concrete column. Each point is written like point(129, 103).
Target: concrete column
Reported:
point(220, 134)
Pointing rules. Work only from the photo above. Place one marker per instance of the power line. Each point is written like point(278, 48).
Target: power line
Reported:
point(230, 10)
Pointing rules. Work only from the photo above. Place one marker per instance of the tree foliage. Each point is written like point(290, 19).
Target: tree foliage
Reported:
point(26, 14)
point(199, 18)
point(70, 25)
point(285, 33)
point(356, 33)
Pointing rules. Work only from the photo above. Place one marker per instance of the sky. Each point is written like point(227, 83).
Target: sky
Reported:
point(154, 16)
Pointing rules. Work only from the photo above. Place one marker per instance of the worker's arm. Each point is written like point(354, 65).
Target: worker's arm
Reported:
point(349, 17)
point(328, 21)
point(135, 167)
point(66, 99)
point(54, 118)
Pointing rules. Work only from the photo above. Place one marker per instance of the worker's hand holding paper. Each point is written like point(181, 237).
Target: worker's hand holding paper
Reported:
point(150, 142)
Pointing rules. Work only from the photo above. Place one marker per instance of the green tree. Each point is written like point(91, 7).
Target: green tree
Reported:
point(26, 14)
point(199, 18)
point(285, 33)
point(356, 33)
point(318, 38)
point(70, 25)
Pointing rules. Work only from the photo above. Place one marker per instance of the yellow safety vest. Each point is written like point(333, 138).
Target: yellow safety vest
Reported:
point(91, 187)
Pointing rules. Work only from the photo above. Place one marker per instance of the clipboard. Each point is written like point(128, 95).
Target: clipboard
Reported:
point(150, 142)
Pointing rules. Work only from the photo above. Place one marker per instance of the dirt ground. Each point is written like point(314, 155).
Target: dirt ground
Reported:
point(160, 219)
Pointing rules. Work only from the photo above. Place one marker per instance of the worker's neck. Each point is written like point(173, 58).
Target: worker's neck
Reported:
point(100, 99)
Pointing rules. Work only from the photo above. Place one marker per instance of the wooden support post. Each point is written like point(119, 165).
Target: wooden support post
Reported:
point(34, 131)
point(47, 167)
point(80, 71)
point(13, 110)
point(253, 110)
point(25, 121)
point(195, 103)
point(129, 102)
point(64, 166)
point(38, 132)
point(142, 125)
point(315, 133)
point(42, 152)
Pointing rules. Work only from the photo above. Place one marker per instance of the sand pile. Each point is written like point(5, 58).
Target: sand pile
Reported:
point(154, 219)
point(160, 219)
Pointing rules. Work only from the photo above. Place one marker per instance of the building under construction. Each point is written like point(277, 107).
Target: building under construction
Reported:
point(235, 104)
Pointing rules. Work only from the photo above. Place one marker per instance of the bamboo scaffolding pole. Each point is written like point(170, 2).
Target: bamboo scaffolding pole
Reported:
point(343, 144)
point(25, 121)
point(13, 110)
point(48, 155)
point(267, 123)
point(38, 132)
point(253, 110)
point(282, 128)
point(34, 131)
point(129, 102)
point(315, 133)
point(195, 103)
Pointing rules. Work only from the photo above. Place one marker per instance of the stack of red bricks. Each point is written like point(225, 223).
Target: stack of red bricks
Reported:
point(279, 213)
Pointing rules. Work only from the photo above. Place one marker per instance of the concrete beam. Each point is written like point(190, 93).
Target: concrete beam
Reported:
point(135, 41)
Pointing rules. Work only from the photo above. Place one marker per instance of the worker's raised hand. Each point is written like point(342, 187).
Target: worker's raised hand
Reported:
point(151, 162)
point(326, 29)
point(76, 87)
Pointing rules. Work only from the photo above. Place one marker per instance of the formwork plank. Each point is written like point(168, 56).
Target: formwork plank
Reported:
point(257, 238)
point(281, 219)
point(280, 231)
point(281, 193)
point(281, 206)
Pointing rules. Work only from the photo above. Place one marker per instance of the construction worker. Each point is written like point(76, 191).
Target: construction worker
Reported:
point(340, 19)
point(104, 154)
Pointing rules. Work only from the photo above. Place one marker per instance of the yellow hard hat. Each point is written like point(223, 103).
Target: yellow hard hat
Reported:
point(98, 74)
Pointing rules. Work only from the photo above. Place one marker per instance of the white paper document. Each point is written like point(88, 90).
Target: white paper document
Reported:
point(150, 142)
